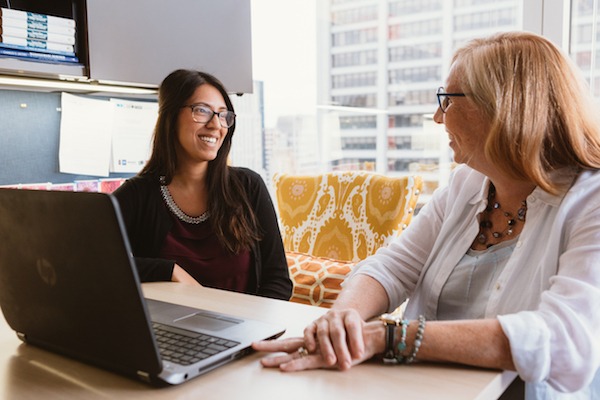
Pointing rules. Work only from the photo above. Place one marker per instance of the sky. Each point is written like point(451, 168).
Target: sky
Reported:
point(284, 55)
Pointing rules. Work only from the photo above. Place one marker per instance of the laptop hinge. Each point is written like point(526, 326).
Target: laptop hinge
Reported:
point(143, 376)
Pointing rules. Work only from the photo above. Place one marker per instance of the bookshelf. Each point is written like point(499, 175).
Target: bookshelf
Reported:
point(65, 9)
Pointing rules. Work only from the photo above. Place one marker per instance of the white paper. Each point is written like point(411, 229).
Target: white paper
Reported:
point(133, 124)
point(85, 136)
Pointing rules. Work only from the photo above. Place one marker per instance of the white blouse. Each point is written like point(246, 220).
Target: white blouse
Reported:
point(548, 293)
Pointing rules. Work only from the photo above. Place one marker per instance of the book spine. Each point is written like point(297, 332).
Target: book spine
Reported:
point(31, 45)
point(35, 56)
point(35, 17)
point(37, 44)
point(38, 26)
point(36, 35)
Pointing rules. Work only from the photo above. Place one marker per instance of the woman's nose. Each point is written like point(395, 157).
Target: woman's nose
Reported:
point(216, 122)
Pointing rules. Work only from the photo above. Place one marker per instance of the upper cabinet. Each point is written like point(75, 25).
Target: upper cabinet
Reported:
point(139, 42)
point(16, 27)
point(142, 41)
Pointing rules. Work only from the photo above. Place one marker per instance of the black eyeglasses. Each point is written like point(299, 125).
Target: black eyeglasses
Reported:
point(201, 113)
point(444, 98)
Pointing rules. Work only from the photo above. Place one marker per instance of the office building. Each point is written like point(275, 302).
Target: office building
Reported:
point(248, 148)
point(380, 64)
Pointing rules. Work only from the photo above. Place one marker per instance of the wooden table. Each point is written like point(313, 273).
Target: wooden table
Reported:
point(27, 372)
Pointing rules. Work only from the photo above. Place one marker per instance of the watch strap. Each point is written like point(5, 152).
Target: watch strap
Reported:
point(389, 356)
point(390, 321)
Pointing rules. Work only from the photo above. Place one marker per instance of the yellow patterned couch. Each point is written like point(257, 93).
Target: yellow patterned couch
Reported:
point(331, 221)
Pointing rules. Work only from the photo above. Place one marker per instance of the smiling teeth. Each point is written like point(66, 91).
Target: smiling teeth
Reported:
point(208, 139)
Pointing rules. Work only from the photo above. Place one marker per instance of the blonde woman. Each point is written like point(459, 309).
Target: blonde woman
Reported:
point(502, 267)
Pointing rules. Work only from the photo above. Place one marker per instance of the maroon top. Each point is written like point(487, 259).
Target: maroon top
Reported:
point(195, 248)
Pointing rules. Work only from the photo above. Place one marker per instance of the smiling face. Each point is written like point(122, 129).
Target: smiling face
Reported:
point(465, 123)
point(200, 142)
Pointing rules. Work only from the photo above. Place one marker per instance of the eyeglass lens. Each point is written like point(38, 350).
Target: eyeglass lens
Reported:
point(203, 114)
point(442, 99)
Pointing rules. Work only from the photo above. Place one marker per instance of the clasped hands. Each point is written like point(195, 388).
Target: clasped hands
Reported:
point(338, 339)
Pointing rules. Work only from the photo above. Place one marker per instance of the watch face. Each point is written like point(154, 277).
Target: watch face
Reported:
point(391, 319)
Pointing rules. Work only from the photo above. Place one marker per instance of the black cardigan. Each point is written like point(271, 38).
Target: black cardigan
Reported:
point(148, 221)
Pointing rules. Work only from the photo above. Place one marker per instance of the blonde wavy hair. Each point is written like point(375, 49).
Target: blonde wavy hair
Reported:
point(543, 116)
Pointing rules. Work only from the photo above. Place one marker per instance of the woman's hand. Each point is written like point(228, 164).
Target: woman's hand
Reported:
point(338, 336)
point(181, 275)
point(296, 359)
point(339, 339)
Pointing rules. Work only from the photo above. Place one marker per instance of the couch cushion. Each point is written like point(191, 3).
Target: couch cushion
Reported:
point(317, 280)
point(343, 215)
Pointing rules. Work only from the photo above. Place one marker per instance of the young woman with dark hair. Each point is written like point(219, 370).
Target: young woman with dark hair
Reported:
point(190, 216)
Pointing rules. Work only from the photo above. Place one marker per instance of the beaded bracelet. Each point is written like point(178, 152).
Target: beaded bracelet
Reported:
point(416, 344)
point(402, 344)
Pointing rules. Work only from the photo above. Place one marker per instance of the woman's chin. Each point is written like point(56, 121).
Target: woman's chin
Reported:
point(456, 153)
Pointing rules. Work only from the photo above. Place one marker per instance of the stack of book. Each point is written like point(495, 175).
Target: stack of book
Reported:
point(37, 37)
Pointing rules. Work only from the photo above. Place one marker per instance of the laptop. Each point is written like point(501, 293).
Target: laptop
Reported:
point(68, 283)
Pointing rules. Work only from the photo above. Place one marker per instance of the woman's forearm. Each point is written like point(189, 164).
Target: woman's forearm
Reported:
point(364, 294)
point(480, 343)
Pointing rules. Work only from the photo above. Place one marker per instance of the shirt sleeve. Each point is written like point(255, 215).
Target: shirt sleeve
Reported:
point(143, 227)
point(398, 266)
point(274, 278)
point(559, 342)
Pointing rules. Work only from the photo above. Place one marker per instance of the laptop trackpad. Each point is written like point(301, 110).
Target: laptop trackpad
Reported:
point(204, 321)
point(189, 318)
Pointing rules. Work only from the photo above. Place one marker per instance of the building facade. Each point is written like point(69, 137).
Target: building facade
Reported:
point(387, 58)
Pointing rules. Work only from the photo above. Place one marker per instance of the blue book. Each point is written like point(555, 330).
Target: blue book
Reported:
point(36, 56)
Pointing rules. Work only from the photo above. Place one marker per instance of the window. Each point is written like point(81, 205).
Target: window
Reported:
point(358, 77)
point(411, 52)
point(365, 57)
point(403, 7)
point(584, 44)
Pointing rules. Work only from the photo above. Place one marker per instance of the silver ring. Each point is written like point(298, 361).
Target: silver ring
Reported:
point(302, 351)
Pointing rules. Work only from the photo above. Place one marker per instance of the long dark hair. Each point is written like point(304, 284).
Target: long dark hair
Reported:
point(231, 216)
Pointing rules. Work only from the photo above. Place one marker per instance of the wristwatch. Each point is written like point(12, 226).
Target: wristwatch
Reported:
point(391, 321)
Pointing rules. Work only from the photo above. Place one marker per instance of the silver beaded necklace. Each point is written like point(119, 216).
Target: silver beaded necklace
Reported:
point(174, 208)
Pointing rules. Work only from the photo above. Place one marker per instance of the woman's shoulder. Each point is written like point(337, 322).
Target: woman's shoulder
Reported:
point(245, 175)
point(587, 177)
point(586, 185)
point(249, 181)
point(138, 183)
point(143, 180)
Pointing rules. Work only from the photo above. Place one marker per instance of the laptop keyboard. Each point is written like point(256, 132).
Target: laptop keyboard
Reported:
point(185, 347)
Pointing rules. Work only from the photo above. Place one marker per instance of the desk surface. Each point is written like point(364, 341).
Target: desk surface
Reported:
point(27, 372)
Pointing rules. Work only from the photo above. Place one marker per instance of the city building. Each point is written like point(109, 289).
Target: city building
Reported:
point(380, 64)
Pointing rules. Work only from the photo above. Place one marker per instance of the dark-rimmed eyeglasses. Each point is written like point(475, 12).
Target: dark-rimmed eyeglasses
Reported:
point(201, 114)
point(444, 98)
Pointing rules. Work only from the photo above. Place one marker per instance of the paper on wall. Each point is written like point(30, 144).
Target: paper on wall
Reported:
point(85, 135)
point(98, 136)
point(133, 124)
